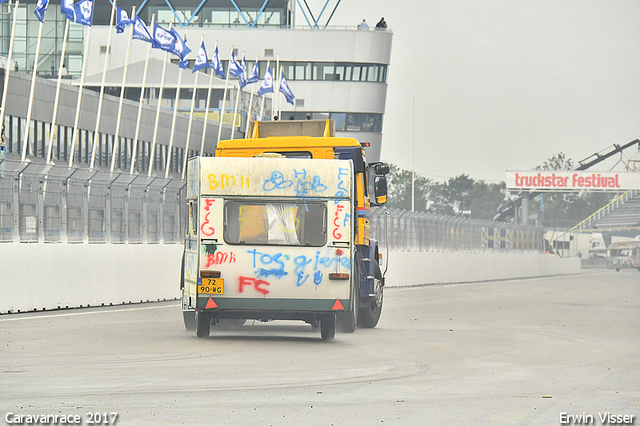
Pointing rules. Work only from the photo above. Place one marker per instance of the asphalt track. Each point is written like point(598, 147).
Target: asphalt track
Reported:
point(520, 352)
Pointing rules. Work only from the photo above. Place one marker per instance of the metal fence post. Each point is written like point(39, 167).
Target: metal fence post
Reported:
point(15, 208)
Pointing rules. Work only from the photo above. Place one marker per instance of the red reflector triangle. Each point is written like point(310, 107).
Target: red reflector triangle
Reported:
point(211, 304)
point(337, 306)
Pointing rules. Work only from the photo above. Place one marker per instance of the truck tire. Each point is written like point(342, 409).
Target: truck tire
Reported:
point(189, 318)
point(203, 324)
point(328, 327)
point(369, 315)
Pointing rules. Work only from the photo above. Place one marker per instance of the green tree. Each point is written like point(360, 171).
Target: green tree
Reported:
point(399, 189)
point(486, 198)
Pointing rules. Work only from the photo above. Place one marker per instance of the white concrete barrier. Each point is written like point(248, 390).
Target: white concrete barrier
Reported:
point(416, 268)
point(50, 276)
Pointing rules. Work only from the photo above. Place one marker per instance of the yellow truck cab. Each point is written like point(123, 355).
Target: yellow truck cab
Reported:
point(278, 228)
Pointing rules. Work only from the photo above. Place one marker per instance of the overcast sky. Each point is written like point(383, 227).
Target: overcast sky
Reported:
point(505, 84)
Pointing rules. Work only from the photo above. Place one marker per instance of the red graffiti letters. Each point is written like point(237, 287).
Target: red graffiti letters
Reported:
point(219, 258)
point(257, 284)
point(336, 234)
point(206, 228)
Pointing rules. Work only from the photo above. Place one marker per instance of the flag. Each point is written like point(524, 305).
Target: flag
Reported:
point(84, 12)
point(202, 61)
point(243, 75)
point(140, 30)
point(67, 8)
point(180, 48)
point(267, 83)
point(286, 90)
point(122, 20)
point(235, 69)
point(253, 77)
point(41, 8)
point(216, 64)
point(163, 39)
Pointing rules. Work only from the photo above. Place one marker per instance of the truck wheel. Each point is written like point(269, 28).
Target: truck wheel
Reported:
point(189, 318)
point(328, 327)
point(203, 324)
point(369, 315)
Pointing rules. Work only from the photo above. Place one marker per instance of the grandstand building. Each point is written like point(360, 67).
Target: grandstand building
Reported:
point(334, 72)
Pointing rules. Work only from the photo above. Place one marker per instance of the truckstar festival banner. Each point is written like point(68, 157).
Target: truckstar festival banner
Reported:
point(549, 180)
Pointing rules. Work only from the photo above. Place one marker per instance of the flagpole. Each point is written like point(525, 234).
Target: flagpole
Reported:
point(155, 126)
point(122, 89)
point(276, 88)
point(96, 134)
point(413, 158)
point(206, 112)
point(173, 120)
point(235, 110)
point(27, 127)
point(246, 132)
point(74, 138)
point(8, 69)
point(54, 117)
point(134, 152)
point(263, 97)
point(193, 105)
point(224, 96)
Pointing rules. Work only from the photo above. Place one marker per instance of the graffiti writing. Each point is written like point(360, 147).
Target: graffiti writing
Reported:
point(343, 191)
point(276, 181)
point(219, 258)
point(337, 235)
point(255, 283)
point(304, 184)
point(225, 181)
point(207, 228)
point(266, 259)
point(278, 273)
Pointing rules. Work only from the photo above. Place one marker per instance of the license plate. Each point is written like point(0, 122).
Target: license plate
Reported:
point(211, 285)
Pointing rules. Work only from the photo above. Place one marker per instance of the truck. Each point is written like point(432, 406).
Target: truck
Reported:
point(278, 229)
point(623, 254)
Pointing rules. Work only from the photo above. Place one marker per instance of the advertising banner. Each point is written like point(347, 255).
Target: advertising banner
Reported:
point(558, 180)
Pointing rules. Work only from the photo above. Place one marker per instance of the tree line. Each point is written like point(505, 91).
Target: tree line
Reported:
point(477, 199)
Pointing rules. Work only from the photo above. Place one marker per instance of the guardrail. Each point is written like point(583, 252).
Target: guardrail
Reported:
point(402, 230)
point(57, 204)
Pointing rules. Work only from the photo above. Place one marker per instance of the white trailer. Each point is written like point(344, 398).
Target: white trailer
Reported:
point(268, 238)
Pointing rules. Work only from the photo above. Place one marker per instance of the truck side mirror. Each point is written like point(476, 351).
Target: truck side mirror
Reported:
point(382, 169)
point(380, 190)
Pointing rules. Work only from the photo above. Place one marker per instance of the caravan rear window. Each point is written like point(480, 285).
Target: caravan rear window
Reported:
point(275, 223)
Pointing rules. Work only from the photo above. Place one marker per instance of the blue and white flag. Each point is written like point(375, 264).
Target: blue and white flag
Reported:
point(163, 39)
point(243, 76)
point(202, 61)
point(216, 64)
point(140, 30)
point(286, 90)
point(267, 83)
point(253, 77)
point(67, 8)
point(122, 20)
point(2, 1)
point(180, 48)
point(84, 12)
point(41, 8)
point(235, 69)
